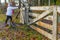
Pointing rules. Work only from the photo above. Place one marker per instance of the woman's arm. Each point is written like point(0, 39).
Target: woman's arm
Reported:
point(14, 7)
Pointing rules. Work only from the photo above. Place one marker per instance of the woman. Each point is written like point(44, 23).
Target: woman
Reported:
point(9, 13)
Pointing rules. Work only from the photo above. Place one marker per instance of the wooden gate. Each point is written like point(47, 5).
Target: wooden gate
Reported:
point(45, 23)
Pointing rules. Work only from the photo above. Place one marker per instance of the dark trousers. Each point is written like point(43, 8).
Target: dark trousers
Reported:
point(7, 18)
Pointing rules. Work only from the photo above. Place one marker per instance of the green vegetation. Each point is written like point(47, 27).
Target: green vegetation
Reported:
point(22, 32)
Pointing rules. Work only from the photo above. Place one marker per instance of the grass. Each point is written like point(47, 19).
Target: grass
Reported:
point(22, 32)
point(2, 17)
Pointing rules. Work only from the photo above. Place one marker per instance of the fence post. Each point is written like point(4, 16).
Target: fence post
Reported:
point(21, 14)
point(26, 12)
point(54, 31)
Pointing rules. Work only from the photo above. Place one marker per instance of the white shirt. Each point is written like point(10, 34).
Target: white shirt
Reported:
point(9, 10)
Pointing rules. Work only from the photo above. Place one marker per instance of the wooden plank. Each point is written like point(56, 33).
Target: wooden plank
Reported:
point(26, 16)
point(37, 11)
point(40, 7)
point(34, 14)
point(22, 15)
point(37, 8)
point(43, 8)
point(41, 16)
point(48, 26)
point(44, 25)
point(50, 17)
point(54, 31)
point(42, 31)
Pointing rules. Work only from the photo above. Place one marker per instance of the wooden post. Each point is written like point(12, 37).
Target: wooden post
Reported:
point(26, 13)
point(21, 14)
point(54, 31)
